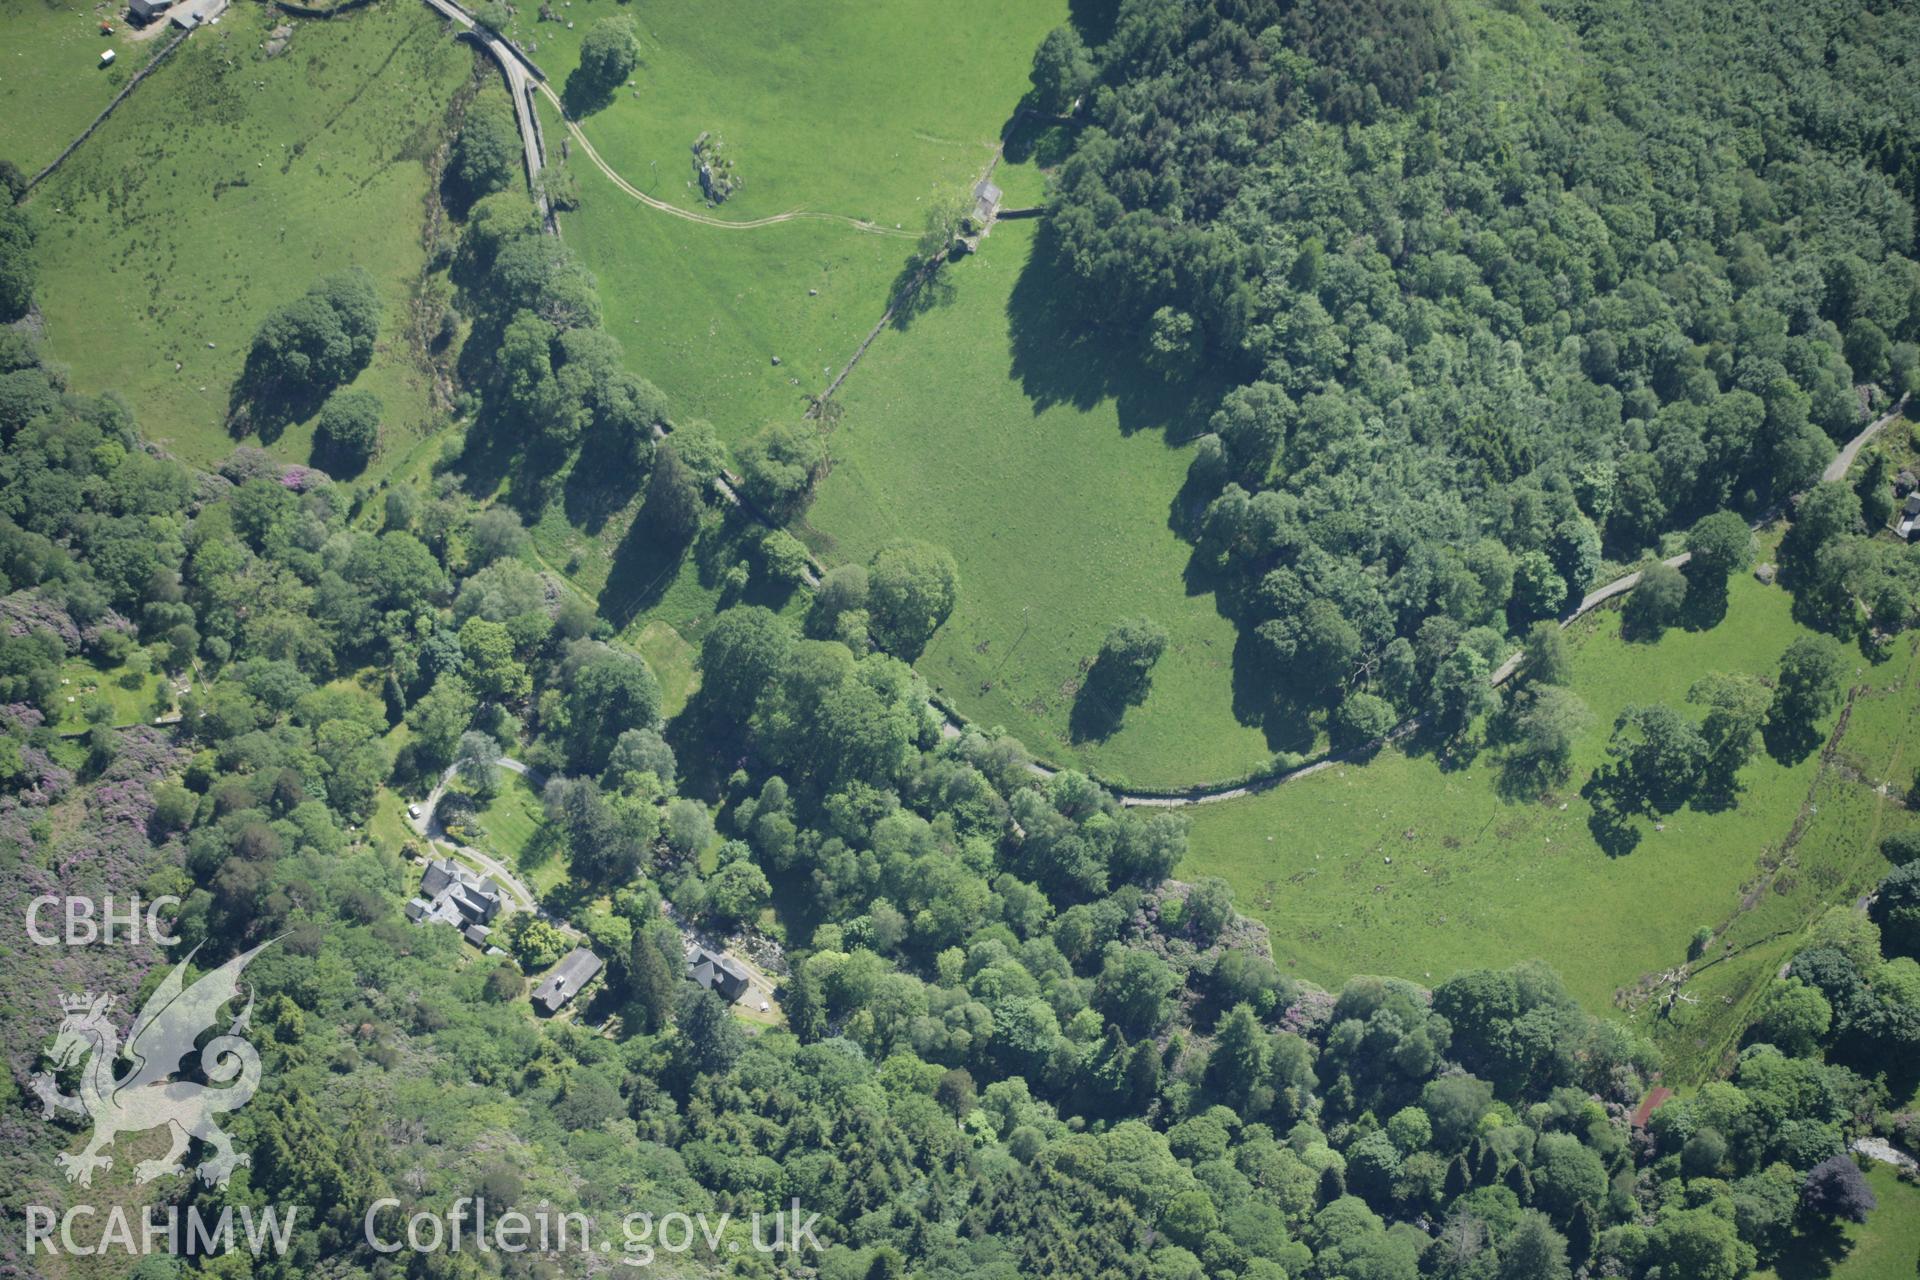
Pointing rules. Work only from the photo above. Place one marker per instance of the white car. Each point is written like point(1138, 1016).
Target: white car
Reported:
point(413, 811)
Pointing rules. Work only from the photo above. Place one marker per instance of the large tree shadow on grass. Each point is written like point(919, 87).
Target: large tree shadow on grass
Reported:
point(1044, 141)
point(1103, 699)
point(648, 561)
point(582, 95)
point(260, 406)
point(1789, 742)
point(1095, 717)
point(1816, 1249)
point(918, 289)
point(644, 566)
point(341, 464)
point(1060, 356)
point(1705, 605)
point(1265, 699)
point(603, 480)
point(1611, 822)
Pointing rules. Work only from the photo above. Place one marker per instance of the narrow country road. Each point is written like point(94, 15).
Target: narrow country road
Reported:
point(513, 66)
point(1843, 461)
point(1836, 470)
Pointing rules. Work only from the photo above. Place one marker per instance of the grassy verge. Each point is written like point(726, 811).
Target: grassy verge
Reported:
point(238, 181)
point(1051, 480)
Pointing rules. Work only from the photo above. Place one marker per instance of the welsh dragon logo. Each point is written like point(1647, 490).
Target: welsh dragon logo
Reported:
point(147, 1097)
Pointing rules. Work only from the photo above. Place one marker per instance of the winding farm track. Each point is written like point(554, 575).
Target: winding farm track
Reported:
point(517, 66)
point(1836, 470)
point(519, 894)
point(1843, 461)
point(524, 79)
point(706, 219)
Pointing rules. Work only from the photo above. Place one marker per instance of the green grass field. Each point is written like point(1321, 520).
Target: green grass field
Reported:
point(702, 312)
point(833, 106)
point(977, 430)
point(837, 108)
point(1884, 1249)
point(388, 827)
point(1403, 868)
point(225, 187)
point(672, 659)
point(1835, 860)
point(50, 72)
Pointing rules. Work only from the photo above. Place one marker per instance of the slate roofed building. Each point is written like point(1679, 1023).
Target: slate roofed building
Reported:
point(145, 11)
point(719, 973)
point(986, 202)
point(564, 981)
point(1910, 517)
point(451, 894)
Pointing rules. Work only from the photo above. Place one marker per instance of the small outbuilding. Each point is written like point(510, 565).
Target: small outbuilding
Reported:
point(986, 202)
point(106, 60)
point(145, 11)
point(1909, 526)
point(564, 981)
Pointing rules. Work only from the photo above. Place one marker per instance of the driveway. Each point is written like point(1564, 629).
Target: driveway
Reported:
point(520, 897)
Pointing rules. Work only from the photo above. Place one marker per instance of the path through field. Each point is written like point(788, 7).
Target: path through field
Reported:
point(1591, 601)
point(705, 219)
point(514, 65)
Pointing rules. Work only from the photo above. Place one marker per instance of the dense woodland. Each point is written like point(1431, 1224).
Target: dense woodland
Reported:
point(1507, 295)
point(1015, 1046)
point(1489, 338)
